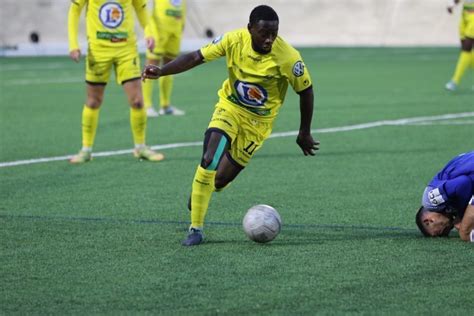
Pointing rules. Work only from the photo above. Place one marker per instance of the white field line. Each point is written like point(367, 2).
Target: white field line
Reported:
point(405, 121)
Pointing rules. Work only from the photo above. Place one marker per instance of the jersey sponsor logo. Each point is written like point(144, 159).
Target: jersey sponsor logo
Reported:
point(250, 93)
point(113, 37)
point(298, 68)
point(217, 39)
point(174, 13)
point(176, 3)
point(111, 15)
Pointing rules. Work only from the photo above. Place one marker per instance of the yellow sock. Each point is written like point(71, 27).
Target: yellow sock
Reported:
point(464, 61)
point(203, 186)
point(166, 85)
point(90, 119)
point(147, 89)
point(138, 125)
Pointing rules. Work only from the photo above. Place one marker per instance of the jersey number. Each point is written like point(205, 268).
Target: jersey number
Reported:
point(251, 148)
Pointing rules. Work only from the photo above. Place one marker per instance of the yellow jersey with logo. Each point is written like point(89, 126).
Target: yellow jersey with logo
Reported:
point(257, 82)
point(109, 23)
point(169, 15)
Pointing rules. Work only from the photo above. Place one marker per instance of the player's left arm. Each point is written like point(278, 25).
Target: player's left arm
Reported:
point(304, 139)
point(142, 15)
point(300, 80)
point(466, 229)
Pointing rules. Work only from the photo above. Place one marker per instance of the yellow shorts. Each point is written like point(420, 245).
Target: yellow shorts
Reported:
point(166, 44)
point(246, 132)
point(466, 26)
point(124, 60)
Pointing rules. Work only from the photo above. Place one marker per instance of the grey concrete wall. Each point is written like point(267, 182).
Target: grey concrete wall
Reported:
point(302, 22)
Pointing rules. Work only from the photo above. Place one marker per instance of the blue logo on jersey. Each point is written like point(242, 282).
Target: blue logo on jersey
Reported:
point(176, 3)
point(111, 15)
point(250, 93)
point(298, 69)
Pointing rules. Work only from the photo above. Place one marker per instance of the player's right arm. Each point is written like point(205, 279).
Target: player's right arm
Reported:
point(73, 28)
point(178, 65)
point(217, 48)
point(466, 229)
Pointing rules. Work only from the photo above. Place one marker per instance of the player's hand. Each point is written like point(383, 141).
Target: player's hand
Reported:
point(151, 72)
point(450, 9)
point(150, 43)
point(308, 145)
point(75, 55)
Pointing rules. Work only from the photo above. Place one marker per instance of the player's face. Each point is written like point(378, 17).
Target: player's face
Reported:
point(437, 224)
point(263, 35)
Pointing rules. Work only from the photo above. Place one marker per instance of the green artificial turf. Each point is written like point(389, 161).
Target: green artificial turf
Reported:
point(104, 237)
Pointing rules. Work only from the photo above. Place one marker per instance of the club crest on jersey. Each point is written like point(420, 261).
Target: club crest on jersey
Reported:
point(250, 93)
point(298, 68)
point(111, 15)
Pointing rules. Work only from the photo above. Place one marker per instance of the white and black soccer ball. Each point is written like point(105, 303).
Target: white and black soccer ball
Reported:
point(262, 223)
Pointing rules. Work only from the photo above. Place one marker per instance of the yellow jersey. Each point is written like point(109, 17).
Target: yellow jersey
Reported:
point(257, 82)
point(109, 23)
point(169, 15)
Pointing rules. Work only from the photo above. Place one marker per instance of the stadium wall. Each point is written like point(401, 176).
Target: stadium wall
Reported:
point(302, 22)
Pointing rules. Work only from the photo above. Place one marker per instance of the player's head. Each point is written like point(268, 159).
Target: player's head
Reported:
point(433, 224)
point(263, 28)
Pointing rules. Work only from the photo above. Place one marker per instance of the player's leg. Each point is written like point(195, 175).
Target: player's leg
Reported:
point(216, 145)
point(227, 171)
point(464, 62)
point(148, 87)
point(170, 51)
point(96, 63)
point(221, 132)
point(465, 59)
point(129, 74)
point(138, 120)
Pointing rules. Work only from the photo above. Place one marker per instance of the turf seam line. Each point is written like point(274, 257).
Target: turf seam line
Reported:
point(212, 223)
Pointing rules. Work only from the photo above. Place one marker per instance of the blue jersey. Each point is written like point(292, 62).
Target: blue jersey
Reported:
point(452, 189)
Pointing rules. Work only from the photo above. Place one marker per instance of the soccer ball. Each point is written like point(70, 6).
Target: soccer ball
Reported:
point(262, 223)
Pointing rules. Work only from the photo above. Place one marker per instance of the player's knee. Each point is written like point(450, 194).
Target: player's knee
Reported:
point(467, 44)
point(220, 182)
point(94, 102)
point(136, 103)
point(206, 161)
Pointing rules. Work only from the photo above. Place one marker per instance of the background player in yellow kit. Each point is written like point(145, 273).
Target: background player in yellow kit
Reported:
point(112, 44)
point(466, 31)
point(260, 66)
point(167, 22)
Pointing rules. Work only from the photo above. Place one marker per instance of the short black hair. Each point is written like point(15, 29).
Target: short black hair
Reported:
point(419, 222)
point(262, 13)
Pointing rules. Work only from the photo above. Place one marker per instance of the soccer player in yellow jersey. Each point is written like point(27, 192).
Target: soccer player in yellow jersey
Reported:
point(466, 31)
point(260, 65)
point(167, 21)
point(111, 44)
